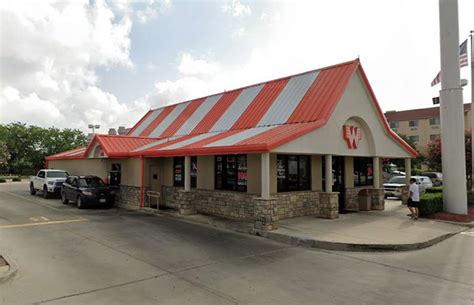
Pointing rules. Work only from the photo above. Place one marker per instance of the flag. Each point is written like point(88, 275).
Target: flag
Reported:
point(462, 62)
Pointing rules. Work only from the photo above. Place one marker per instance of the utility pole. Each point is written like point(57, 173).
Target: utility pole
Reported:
point(452, 112)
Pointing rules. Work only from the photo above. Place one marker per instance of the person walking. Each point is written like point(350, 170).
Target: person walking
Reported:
point(414, 199)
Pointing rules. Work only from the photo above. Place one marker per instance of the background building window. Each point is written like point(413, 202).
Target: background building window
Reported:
point(434, 121)
point(193, 171)
point(394, 124)
point(434, 137)
point(413, 123)
point(231, 173)
point(414, 139)
point(178, 171)
point(293, 173)
point(363, 171)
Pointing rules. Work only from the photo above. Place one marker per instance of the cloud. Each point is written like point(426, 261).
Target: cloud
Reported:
point(191, 66)
point(236, 9)
point(48, 65)
point(141, 11)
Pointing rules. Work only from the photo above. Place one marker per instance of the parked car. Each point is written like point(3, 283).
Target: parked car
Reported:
point(87, 191)
point(436, 178)
point(393, 188)
point(48, 181)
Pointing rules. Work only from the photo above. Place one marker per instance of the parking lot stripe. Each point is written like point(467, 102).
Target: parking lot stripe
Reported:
point(24, 225)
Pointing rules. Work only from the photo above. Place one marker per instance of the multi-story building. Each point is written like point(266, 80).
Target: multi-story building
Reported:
point(421, 125)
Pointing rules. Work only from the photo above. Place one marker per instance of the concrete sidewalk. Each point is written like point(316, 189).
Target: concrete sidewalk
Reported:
point(389, 230)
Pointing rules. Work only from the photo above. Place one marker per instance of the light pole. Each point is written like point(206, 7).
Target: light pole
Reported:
point(471, 36)
point(94, 127)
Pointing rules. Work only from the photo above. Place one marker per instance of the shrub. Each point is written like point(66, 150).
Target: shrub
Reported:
point(16, 179)
point(431, 203)
point(436, 189)
point(2, 180)
point(470, 198)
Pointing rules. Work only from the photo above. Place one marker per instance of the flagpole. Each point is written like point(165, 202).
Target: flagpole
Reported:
point(472, 108)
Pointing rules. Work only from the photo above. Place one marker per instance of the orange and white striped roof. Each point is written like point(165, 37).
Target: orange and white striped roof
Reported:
point(257, 118)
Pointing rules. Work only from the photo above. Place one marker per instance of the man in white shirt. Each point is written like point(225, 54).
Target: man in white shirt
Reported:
point(414, 199)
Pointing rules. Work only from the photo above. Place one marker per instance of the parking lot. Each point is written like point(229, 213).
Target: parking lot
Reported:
point(115, 256)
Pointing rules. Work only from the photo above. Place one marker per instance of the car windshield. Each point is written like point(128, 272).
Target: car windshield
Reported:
point(91, 182)
point(431, 175)
point(397, 180)
point(56, 174)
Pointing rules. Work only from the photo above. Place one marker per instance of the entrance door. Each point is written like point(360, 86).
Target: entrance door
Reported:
point(338, 177)
point(155, 185)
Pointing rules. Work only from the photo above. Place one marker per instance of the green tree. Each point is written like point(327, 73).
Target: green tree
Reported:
point(28, 145)
point(416, 162)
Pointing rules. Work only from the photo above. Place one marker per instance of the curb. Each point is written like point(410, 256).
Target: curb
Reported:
point(247, 228)
point(337, 246)
point(462, 224)
point(11, 271)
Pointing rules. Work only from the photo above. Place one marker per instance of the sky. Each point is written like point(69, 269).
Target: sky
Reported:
point(75, 63)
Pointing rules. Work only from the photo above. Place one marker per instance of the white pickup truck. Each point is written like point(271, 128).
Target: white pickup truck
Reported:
point(47, 181)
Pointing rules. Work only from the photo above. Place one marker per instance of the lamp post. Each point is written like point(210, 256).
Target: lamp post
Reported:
point(94, 127)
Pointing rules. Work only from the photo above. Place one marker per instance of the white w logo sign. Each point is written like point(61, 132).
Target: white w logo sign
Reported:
point(352, 135)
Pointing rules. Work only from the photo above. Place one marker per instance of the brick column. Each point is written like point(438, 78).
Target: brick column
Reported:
point(265, 214)
point(329, 205)
point(378, 199)
point(186, 202)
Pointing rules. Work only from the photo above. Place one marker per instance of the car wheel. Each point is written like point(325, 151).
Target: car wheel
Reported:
point(79, 203)
point(45, 192)
point(32, 189)
point(64, 200)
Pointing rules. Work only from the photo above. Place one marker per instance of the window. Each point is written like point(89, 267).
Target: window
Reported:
point(293, 173)
point(41, 174)
point(434, 121)
point(178, 171)
point(57, 174)
point(413, 123)
point(91, 182)
point(363, 171)
point(414, 139)
point(231, 173)
point(193, 171)
point(394, 124)
point(434, 137)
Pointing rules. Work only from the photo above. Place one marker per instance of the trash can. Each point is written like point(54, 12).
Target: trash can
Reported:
point(365, 200)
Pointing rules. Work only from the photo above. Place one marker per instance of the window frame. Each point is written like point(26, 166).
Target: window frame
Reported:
point(363, 163)
point(415, 123)
point(437, 121)
point(176, 161)
point(284, 184)
point(223, 175)
point(395, 124)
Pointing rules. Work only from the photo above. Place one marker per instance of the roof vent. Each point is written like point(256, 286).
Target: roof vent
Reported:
point(122, 130)
point(112, 131)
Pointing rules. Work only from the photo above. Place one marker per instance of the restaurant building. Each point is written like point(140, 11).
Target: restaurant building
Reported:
point(306, 144)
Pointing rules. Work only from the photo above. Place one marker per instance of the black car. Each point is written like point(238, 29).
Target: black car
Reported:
point(87, 191)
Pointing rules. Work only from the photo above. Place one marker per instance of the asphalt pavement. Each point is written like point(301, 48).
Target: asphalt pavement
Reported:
point(115, 256)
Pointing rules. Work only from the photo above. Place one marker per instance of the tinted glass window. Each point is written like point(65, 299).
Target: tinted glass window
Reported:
point(363, 171)
point(193, 171)
point(178, 171)
point(231, 173)
point(57, 174)
point(293, 173)
point(397, 180)
point(91, 182)
point(41, 174)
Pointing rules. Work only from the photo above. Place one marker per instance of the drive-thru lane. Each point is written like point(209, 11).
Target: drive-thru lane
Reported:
point(115, 256)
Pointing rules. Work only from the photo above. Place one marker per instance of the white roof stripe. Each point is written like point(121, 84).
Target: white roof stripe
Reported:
point(236, 138)
point(146, 122)
point(144, 147)
point(198, 115)
point(235, 110)
point(288, 99)
point(190, 141)
point(168, 120)
point(80, 151)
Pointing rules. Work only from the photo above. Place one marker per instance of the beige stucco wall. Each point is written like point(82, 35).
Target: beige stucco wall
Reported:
point(97, 167)
point(167, 166)
point(273, 173)
point(254, 173)
point(349, 171)
point(316, 173)
point(205, 172)
point(356, 108)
